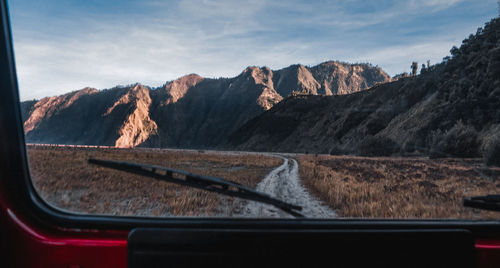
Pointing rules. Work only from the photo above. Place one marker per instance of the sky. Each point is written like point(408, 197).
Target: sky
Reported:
point(65, 45)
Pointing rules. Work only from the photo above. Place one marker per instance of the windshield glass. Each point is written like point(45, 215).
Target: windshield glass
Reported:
point(322, 109)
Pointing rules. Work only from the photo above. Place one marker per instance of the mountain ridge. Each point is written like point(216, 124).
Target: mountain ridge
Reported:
point(450, 109)
point(188, 112)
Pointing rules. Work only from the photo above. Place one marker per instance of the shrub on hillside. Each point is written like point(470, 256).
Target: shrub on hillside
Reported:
point(491, 154)
point(377, 146)
point(459, 141)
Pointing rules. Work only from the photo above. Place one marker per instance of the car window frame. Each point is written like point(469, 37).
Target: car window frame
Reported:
point(22, 195)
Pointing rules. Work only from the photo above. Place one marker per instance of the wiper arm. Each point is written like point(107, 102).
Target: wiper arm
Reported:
point(487, 202)
point(206, 183)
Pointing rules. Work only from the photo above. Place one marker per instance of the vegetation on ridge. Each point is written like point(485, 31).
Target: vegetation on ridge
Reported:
point(451, 109)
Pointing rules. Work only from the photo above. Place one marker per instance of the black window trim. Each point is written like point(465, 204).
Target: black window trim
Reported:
point(15, 176)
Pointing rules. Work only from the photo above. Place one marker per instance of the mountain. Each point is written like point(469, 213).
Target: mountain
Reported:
point(88, 115)
point(190, 112)
point(451, 108)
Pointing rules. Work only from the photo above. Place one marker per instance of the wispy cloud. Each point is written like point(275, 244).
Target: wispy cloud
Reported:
point(435, 3)
point(122, 43)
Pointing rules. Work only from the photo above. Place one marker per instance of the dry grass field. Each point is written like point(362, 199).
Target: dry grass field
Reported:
point(353, 186)
point(399, 187)
point(63, 178)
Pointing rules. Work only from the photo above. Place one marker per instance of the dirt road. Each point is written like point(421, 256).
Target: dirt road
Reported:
point(284, 183)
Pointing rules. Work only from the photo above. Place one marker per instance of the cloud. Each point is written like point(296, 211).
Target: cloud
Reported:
point(165, 40)
point(436, 3)
point(235, 10)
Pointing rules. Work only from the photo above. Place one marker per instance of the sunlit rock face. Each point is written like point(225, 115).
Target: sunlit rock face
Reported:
point(189, 112)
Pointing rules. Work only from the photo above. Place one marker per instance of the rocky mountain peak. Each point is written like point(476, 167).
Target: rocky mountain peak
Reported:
point(50, 105)
point(179, 87)
point(134, 94)
point(138, 126)
point(262, 81)
point(190, 111)
point(262, 75)
point(339, 78)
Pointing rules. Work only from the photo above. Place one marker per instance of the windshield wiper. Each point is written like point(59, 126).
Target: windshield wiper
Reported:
point(487, 202)
point(207, 183)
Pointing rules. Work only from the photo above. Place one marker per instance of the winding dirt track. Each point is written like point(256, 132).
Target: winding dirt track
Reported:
point(284, 184)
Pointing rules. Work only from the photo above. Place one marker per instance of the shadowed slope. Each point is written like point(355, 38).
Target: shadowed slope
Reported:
point(451, 109)
point(190, 112)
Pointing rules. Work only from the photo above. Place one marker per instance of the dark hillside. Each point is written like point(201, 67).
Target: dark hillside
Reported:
point(451, 109)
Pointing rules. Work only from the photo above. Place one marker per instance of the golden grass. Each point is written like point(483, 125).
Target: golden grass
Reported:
point(63, 178)
point(353, 186)
point(399, 187)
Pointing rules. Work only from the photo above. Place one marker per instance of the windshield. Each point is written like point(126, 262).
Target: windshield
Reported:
point(264, 109)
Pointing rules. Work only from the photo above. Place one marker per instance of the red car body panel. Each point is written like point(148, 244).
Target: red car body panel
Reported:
point(32, 246)
point(488, 253)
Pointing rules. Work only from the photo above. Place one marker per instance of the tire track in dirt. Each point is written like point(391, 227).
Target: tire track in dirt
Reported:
point(284, 183)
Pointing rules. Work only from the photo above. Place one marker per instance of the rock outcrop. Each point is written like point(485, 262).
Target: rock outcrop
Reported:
point(189, 112)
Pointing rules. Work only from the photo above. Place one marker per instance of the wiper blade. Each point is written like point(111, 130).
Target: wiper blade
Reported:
point(488, 202)
point(206, 183)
